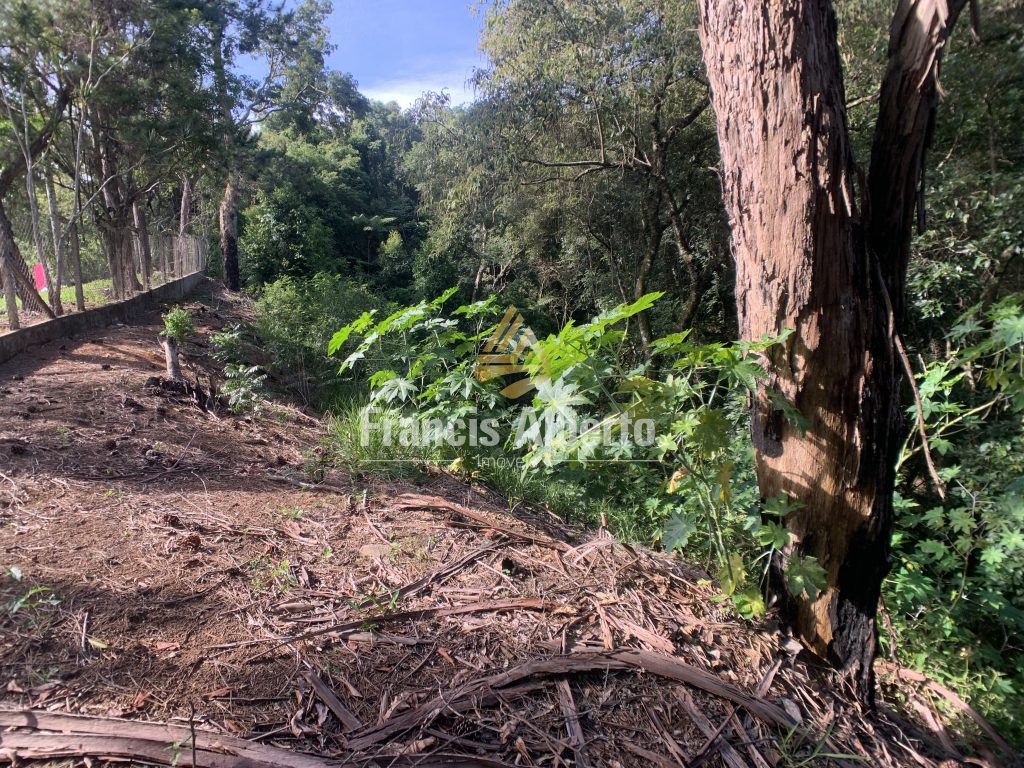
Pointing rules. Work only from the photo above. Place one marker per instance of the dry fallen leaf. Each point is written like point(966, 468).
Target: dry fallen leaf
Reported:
point(352, 690)
point(219, 693)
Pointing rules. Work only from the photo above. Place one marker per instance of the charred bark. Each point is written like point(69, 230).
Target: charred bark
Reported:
point(807, 259)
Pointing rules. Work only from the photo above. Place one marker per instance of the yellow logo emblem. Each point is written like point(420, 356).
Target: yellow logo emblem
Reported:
point(504, 352)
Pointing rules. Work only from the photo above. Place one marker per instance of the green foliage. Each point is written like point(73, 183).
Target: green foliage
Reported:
point(295, 318)
point(178, 324)
point(359, 447)
point(667, 449)
point(956, 592)
point(228, 346)
point(332, 199)
point(242, 386)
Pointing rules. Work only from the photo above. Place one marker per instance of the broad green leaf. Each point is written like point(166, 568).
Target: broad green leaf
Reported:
point(805, 576)
point(678, 530)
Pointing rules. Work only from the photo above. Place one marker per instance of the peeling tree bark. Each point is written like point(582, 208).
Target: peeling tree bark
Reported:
point(808, 258)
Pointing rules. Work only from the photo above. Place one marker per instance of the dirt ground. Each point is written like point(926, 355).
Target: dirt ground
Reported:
point(162, 563)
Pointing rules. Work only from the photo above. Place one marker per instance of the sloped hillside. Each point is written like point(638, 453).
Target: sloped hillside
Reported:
point(169, 564)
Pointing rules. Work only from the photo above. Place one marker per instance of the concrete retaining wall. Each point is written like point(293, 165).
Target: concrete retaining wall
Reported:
point(100, 317)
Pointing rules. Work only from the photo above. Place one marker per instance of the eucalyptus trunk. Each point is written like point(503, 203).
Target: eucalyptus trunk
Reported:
point(76, 265)
point(37, 240)
point(56, 232)
point(810, 258)
point(229, 200)
point(115, 222)
point(184, 220)
point(10, 293)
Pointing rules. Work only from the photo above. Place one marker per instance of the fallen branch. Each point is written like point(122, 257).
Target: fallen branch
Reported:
point(417, 501)
point(159, 743)
point(348, 720)
point(952, 698)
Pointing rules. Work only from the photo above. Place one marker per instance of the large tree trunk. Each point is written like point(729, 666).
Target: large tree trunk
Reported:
point(115, 220)
point(804, 261)
point(119, 248)
point(229, 235)
point(229, 201)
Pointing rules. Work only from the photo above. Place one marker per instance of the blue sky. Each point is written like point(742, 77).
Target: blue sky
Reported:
point(396, 49)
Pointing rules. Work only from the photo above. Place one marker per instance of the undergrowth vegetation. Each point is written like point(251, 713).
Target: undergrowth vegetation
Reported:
point(955, 596)
point(294, 321)
point(954, 600)
point(409, 394)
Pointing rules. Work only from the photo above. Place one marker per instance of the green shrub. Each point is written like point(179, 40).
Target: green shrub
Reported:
point(228, 346)
point(243, 385)
point(956, 591)
point(294, 321)
point(690, 484)
point(178, 324)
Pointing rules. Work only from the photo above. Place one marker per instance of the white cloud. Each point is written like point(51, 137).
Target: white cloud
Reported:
point(405, 90)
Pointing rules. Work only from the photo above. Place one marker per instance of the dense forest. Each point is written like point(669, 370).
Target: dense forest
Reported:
point(809, 279)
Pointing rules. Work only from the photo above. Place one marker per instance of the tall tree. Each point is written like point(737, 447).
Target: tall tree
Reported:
point(291, 46)
point(32, 104)
point(617, 88)
point(822, 250)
